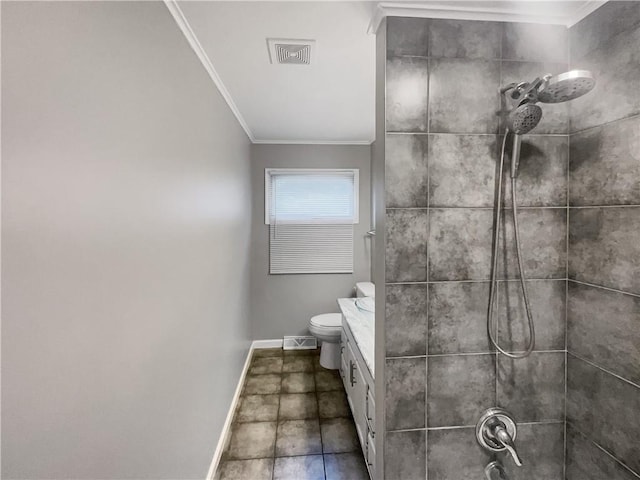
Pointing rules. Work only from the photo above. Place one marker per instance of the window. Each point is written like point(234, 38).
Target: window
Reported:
point(310, 213)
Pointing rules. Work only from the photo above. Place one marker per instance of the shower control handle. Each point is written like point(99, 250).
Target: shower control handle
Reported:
point(496, 432)
point(501, 435)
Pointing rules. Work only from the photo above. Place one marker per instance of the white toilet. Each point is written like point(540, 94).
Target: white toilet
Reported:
point(327, 328)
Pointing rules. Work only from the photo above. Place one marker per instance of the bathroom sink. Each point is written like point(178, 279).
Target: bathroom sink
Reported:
point(366, 304)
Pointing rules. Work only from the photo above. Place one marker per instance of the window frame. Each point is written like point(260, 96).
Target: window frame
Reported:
point(268, 173)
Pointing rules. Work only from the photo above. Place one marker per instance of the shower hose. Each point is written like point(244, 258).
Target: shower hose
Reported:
point(491, 326)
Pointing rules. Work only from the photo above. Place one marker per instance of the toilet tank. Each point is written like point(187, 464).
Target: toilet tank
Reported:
point(365, 289)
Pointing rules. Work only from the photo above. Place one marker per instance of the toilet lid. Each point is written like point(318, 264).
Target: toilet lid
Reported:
point(327, 320)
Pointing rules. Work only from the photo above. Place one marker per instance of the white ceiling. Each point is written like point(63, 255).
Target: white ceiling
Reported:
point(332, 100)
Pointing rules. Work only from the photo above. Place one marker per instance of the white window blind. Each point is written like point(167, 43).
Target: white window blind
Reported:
point(311, 213)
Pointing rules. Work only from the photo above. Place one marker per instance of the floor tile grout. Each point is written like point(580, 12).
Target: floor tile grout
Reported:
point(326, 389)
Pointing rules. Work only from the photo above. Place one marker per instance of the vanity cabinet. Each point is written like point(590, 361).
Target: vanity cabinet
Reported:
point(358, 383)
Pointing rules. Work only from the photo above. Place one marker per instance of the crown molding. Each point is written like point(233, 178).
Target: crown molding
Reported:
point(183, 24)
point(451, 10)
point(313, 142)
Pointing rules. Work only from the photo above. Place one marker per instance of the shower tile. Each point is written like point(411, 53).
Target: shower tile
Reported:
point(405, 453)
point(535, 42)
point(340, 466)
point(256, 469)
point(604, 247)
point(605, 165)
point(462, 170)
point(407, 93)
point(406, 320)
point(616, 67)
point(405, 392)
point(548, 304)
point(604, 327)
point(464, 39)
point(541, 446)
point(463, 95)
point(457, 318)
point(406, 250)
point(454, 454)
point(605, 409)
point(307, 467)
point(406, 180)
point(460, 244)
point(532, 388)
point(543, 237)
point(542, 175)
point(585, 461)
point(600, 26)
point(407, 36)
point(459, 389)
point(555, 118)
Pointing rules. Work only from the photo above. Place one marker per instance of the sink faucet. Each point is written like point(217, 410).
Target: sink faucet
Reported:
point(496, 431)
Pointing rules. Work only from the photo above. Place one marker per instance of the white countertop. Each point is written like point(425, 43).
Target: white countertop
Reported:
point(362, 325)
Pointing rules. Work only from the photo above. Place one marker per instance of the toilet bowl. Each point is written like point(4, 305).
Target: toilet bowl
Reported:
point(327, 328)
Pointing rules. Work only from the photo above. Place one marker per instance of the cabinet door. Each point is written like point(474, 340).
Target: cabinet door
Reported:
point(371, 411)
point(371, 456)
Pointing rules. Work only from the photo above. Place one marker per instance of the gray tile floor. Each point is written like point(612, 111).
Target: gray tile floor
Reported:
point(292, 423)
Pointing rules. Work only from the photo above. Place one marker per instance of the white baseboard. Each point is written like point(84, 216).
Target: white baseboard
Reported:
point(266, 344)
point(226, 429)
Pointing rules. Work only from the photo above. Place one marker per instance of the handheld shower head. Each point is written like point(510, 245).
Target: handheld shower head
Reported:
point(521, 120)
point(566, 86)
point(524, 118)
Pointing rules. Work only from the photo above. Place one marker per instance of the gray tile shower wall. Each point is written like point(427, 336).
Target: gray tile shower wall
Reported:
point(603, 303)
point(443, 143)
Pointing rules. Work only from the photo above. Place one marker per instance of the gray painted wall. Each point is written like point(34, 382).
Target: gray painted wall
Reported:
point(603, 315)
point(283, 304)
point(125, 199)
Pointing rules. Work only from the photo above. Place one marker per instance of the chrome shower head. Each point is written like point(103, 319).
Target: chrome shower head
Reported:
point(524, 118)
point(566, 86)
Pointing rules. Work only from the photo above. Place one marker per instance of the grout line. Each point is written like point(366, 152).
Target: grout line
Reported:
point(405, 357)
point(566, 295)
point(473, 425)
point(520, 207)
point(595, 365)
point(611, 122)
point(498, 175)
point(476, 134)
point(603, 287)
point(566, 299)
point(428, 270)
point(596, 444)
point(579, 207)
point(503, 280)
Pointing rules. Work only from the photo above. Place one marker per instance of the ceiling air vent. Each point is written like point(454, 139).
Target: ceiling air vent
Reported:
point(292, 52)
